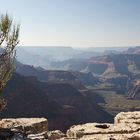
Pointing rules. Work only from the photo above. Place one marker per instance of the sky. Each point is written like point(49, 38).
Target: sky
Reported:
point(76, 23)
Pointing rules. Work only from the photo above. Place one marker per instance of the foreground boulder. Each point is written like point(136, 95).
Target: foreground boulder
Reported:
point(31, 128)
point(128, 118)
point(126, 127)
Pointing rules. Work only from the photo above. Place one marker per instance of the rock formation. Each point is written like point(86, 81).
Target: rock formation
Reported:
point(126, 127)
point(23, 128)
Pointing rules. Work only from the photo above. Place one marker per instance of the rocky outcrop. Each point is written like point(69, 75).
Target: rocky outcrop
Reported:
point(126, 127)
point(128, 118)
point(21, 128)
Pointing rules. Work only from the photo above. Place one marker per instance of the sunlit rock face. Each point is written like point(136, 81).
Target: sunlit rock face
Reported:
point(22, 128)
point(126, 126)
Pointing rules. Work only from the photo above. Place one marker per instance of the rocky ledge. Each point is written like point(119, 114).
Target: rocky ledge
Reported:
point(126, 127)
point(23, 128)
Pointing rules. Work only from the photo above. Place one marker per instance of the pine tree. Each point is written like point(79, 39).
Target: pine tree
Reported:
point(9, 34)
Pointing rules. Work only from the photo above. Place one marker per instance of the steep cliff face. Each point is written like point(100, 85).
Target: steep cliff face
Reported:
point(43, 75)
point(134, 93)
point(134, 89)
point(107, 65)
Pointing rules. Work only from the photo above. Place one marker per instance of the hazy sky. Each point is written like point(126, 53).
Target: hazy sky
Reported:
point(77, 23)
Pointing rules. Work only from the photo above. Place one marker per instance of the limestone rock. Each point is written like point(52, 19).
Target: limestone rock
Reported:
point(54, 135)
point(128, 117)
point(40, 136)
point(126, 127)
point(24, 128)
point(27, 125)
point(133, 136)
